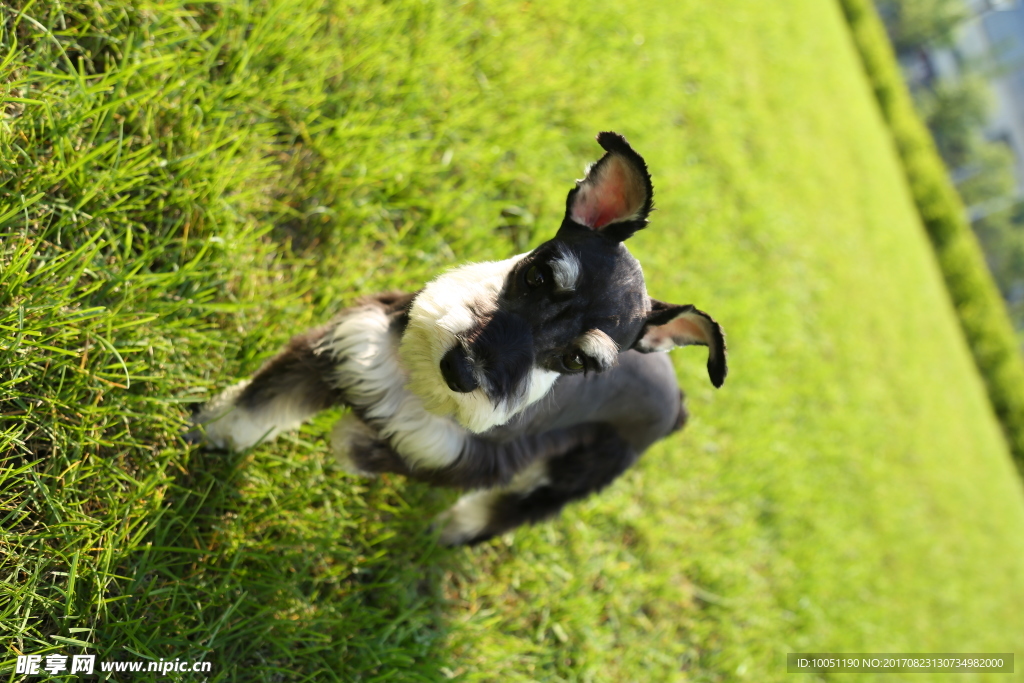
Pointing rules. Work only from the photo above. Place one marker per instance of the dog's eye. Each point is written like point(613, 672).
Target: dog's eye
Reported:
point(534, 277)
point(573, 361)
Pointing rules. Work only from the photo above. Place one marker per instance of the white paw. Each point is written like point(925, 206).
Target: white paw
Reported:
point(467, 519)
point(221, 424)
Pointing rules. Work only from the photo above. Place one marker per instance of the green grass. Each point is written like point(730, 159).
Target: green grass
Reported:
point(980, 307)
point(184, 186)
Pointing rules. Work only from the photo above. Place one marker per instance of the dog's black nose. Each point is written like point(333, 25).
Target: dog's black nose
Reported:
point(457, 371)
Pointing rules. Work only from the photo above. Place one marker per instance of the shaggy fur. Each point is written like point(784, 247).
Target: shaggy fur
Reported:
point(532, 381)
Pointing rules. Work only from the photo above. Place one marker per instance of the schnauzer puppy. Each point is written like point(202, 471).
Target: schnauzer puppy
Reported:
point(530, 382)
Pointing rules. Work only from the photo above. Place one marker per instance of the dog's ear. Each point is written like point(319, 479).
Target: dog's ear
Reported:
point(616, 196)
point(669, 326)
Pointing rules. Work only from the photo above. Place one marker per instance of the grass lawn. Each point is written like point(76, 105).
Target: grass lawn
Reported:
point(182, 187)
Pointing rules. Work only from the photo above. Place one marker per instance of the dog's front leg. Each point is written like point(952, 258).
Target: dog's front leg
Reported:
point(477, 463)
point(520, 481)
point(289, 389)
point(361, 450)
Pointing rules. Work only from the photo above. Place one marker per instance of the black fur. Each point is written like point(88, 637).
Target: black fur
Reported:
point(588, 466)
point(297, 370)
point(596, 420)
point(502, 348)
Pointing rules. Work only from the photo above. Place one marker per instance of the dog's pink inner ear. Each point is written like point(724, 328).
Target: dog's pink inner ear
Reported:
point(613, 191)
point(683, 331)
point(689, 326)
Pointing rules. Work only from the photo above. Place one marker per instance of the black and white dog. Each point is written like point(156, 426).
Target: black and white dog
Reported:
point(528, 381)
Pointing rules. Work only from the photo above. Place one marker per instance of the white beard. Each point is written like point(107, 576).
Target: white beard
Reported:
point(447, 308)
point(373, 381)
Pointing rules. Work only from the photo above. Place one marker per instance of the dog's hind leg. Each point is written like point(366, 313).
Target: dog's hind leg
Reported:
point(289, 389)
point(542, 489)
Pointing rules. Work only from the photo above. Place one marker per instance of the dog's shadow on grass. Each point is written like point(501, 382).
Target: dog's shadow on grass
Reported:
point(290, 564)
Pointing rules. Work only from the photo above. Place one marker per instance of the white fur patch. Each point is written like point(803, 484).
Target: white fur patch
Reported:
point(448, 307)
point(229, 426)
point(471, 514)
point(566, 268)
point(468, 517)
point(369, 374)
point(600, 347)
point(531, 478)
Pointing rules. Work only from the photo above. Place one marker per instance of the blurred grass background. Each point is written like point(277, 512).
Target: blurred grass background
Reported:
point(980, 307)
point(184, 186)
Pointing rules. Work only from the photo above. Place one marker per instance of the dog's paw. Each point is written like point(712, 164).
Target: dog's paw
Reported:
point(195, 434)
point(361, 451)
point(219, 425)
point(468, 521)
point(192, 437)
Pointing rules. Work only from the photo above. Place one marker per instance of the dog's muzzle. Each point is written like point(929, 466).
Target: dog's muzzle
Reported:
point(457, 371)
point(497, 355)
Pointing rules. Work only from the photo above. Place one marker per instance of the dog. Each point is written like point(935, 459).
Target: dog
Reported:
point(529, 382)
